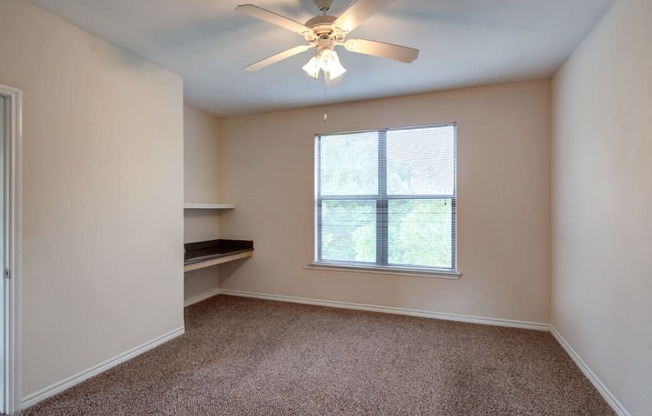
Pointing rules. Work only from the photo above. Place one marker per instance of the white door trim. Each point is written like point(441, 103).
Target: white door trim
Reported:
point(13, 211)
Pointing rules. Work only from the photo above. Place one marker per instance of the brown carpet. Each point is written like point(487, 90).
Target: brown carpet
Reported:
point(253, 357)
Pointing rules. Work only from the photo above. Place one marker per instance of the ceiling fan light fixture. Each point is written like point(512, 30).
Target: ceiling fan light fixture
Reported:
point(326, 60)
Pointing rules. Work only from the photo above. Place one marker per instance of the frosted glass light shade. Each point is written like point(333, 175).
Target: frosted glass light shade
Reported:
point(330, 63)
point(336, 71)
point(312, 67)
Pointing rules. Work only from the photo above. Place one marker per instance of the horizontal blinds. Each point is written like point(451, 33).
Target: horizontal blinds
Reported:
point(349, 164)
point(387, 197)
point(421, 161)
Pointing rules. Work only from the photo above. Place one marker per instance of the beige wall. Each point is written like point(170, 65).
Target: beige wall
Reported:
point(200, 150)
point(602, 195)
point(102, 195)
point(266, 169)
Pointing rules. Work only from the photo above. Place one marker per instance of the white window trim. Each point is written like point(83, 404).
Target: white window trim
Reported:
point(388, 270)
point(453, 274)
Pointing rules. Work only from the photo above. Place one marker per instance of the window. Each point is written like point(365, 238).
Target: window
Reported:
point(386, 199)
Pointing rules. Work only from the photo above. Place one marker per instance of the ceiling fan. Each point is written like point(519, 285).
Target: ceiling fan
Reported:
point(324, 32)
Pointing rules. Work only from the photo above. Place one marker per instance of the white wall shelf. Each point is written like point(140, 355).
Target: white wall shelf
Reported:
point(208, 206)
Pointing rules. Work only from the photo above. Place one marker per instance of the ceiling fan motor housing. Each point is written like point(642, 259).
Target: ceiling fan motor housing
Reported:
point(322, 29)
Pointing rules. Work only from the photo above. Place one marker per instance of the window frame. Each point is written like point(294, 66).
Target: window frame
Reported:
point(382, 199)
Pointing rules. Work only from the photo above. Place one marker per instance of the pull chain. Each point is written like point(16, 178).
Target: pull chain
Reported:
point(325, 100)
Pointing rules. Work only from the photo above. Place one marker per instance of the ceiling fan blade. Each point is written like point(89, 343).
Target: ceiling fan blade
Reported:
point(384, 50)
point(278, 57)
point(359, 12)
point(273, 18)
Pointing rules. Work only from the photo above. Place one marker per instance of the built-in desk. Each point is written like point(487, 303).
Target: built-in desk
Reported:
point(210, 253)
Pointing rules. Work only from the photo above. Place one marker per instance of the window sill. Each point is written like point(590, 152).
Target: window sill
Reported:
point(401, 271)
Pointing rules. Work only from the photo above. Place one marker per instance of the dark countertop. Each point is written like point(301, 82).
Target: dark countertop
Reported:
point(213, 249)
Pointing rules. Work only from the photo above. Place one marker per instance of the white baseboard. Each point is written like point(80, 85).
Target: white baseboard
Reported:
point(75, 379)
point(393, 310)
point(597, 383)
point(200, 297)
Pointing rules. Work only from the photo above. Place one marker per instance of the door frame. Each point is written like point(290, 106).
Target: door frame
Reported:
point(11, 276)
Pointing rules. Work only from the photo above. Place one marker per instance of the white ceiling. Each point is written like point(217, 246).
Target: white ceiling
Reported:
point(462, 43)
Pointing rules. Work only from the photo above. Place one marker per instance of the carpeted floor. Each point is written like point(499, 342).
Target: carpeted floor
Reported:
point(253, 357)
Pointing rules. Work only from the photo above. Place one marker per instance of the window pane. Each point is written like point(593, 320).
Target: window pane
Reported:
point(348, 231)
point(349, 164)
point(420, 233)
point(421, 161)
